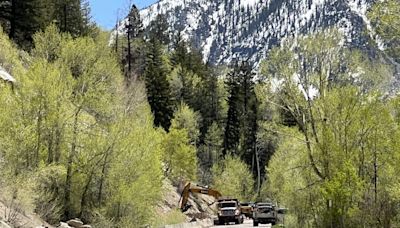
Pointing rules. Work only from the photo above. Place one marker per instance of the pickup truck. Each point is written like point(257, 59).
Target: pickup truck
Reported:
point(264, 213)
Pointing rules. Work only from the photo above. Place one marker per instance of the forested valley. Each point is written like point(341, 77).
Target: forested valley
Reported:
point(93, 125)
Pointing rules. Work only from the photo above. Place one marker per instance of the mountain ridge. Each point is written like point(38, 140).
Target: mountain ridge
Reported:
point(225, 30)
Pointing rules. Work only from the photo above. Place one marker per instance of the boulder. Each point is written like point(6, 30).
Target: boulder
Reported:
point(4, 75)
point(64, 225)
point(77, 223)
point(4, 225)
point(86, 226)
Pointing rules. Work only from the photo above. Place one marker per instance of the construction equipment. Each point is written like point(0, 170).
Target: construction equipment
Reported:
point(194, 188)
point(229, 211)
point(247, 209)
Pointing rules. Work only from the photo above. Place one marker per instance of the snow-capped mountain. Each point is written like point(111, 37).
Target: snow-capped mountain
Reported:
point(227, 29)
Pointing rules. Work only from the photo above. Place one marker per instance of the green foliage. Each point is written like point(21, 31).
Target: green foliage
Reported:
point(289, 176)
point(158, 90)
point(241, 125)
point(186, 118)
point(89, 143)
point(9, 56)
point(50, 186)
point(135, 175)
point(180, 158)
point(210, 152)
point(385, 18)
point(158, 29)
point(22, 19)
point(342, 174)
point(233, 178)
point(47, 44)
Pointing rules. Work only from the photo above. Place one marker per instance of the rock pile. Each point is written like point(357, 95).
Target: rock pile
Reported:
point(74, 223)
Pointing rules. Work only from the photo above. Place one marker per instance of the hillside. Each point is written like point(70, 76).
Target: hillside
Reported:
point(248, 29)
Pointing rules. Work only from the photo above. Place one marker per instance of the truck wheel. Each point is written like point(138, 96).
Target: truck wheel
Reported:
point(216, 222)
point(255, 223)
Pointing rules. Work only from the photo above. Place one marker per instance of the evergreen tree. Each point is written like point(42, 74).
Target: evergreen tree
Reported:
point(241, 126)
point(158, 29)
point(21, 19)
point(249, 121)
point(199, 83)
point(158, 91)
point(180, 54)
point(134, 29)
point(232, 129)
point(211, 108)
point(73, 17)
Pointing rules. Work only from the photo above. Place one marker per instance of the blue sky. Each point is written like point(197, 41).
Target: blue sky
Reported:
point(105, 12)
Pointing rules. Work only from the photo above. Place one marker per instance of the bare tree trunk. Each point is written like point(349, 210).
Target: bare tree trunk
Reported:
point(68, 182)
point(116, 36)
point(50, 151)
point(258, 171)
point(102, 179)
point(129, 57)
point(39, 137)
point(84, 194)
point(57, 147)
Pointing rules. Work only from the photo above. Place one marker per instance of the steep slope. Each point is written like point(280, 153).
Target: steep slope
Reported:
point(228, 29)
point(203, 206)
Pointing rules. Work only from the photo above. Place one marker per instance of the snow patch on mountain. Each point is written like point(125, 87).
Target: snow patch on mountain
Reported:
point(245, 3)
point(225, 30)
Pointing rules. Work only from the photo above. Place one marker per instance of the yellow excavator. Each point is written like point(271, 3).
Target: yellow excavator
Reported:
point(195, 188)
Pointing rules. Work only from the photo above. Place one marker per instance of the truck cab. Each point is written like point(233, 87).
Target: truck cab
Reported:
point(229, 211)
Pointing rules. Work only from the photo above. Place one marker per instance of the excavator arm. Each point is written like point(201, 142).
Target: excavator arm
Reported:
point(193, 188)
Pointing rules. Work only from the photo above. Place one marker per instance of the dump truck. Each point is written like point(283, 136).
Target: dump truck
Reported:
point(229, 211)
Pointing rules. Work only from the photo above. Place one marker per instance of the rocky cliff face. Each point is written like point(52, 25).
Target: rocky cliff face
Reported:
point(247, 29)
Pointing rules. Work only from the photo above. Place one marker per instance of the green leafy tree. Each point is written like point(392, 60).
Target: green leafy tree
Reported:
point(210, 152)
point(179, 156)
point(384, 16)
point(232, 177)
point(332, 111)
point(185, 118)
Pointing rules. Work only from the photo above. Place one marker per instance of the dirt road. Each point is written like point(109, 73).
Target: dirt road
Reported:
point(247, 223)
